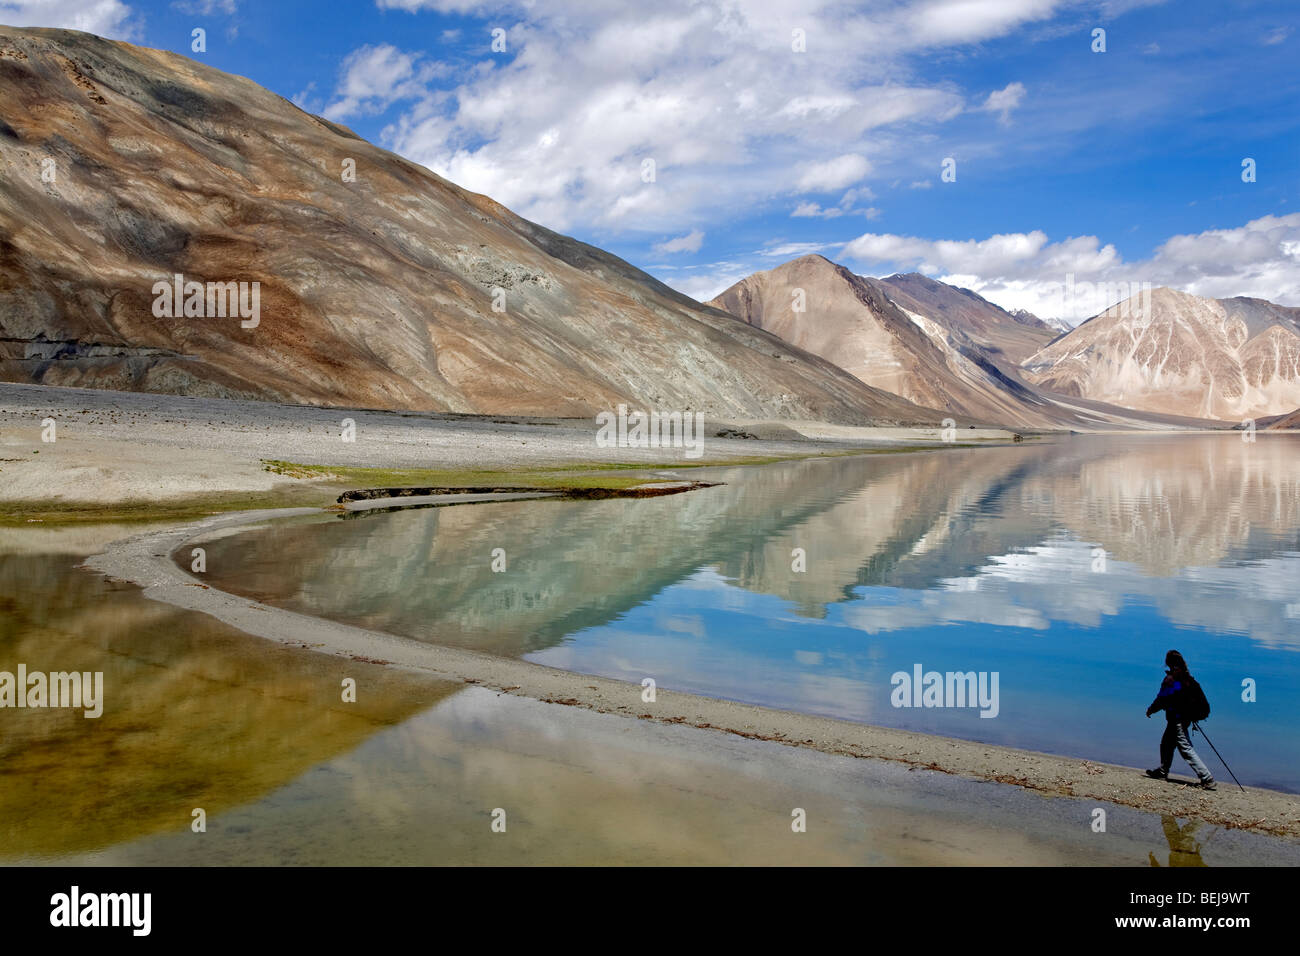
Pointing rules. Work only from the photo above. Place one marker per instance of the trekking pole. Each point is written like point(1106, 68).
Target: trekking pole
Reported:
point(1196, 726)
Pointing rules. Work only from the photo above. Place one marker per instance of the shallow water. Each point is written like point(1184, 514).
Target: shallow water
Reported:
point(195, 714)
point(954, 560)
point(198, 715)
point(574, 787)
point(1066, 569)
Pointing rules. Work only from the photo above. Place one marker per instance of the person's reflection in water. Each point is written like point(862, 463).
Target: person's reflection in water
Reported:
point(1184, 848)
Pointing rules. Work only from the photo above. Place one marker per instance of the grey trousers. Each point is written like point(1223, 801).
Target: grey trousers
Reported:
point(1176, 735)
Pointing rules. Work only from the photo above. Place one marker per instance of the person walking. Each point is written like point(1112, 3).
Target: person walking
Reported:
point(1178, 698)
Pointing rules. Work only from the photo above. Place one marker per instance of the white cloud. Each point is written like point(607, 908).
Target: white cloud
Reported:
point(1026, 270)
point(995, 255)
point(1054, 581)
point(107, 18)
point(942, 22)
point(708, 281)
point(1005, 100)
point(710, 90)
point(793, 250)
point(833, 174)
point(442, 6)
point(305, 99)
point(375, 77)
point(846, 207)
point(690, 242)
point(1277, 36)
point(812, 210)
point(1261, 258)
point(206, 8)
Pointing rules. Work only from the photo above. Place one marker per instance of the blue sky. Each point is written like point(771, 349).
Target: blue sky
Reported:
point(1115, 166)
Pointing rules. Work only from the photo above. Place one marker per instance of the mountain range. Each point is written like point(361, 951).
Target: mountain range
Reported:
point(1170, 351)
point(126, 172)
point(920, 339)
point(1158, 356)
point(380, 284)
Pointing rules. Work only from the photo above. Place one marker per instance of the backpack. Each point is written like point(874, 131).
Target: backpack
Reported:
point(1195, 701)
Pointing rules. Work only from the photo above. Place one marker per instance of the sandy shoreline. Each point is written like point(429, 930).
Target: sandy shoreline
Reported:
point(113, 447)
point(144, 560)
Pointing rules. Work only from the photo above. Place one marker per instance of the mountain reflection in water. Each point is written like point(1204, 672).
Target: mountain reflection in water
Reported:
point(1069, 568)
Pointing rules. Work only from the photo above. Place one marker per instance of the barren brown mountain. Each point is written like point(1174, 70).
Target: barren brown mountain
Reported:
point(1173, 352)
point(1289, 421)
point(817, 305)
point(932, 344)
point(121, 167)
point(1008, 336)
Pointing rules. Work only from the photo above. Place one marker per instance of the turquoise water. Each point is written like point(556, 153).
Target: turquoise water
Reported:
point(1066, 569)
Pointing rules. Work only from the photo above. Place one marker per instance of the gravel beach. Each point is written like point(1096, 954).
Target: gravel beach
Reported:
point(117, 446)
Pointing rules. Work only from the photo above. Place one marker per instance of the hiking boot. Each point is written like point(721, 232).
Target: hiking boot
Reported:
point(1159, 773)
point(1209, 784)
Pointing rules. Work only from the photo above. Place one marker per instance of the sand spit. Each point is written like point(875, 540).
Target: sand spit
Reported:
point(144, 560)
point(113, 447)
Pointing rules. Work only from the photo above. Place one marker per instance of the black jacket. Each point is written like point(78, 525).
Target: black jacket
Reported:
point(1172, 699)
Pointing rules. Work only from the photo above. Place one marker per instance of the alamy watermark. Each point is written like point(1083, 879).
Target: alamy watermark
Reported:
point(1083, 300)
point(76, 689)
point(177, 298)
point(130, 910)
point(952, 689)
point(654, 429)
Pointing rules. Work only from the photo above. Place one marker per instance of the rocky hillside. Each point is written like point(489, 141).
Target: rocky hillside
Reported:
point(1009, 336)
point(121, 167)
point(936, 347)
point(1290, 421)
point(1173, 352)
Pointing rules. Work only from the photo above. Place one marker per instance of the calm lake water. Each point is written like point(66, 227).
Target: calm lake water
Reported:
point(1066, 569)
point(198, 715)
point(978, 560)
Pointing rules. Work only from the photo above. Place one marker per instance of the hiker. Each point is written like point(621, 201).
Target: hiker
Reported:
point(1181, 699)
